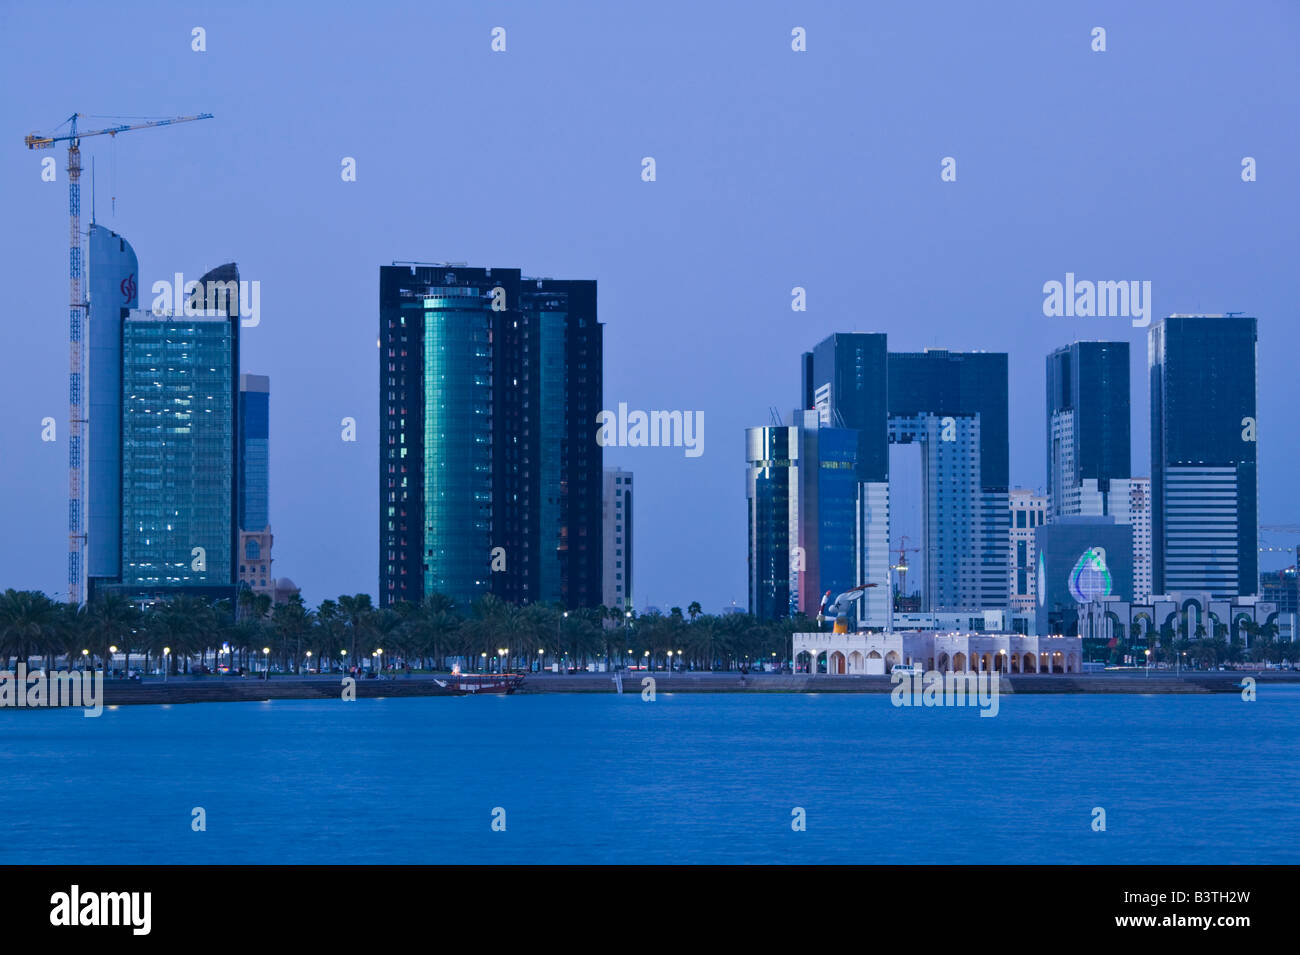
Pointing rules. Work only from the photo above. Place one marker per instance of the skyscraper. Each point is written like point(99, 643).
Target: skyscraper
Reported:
point(1139, 515)
point(1088, 441)
point(954, 404)
point(490, 473)
point(772, 498)
point(255, 537)
point(1028, 511)
point(163, 473)
point(180, 448)
point(845, 380)
point(1204, 490)
point(113, 293)
point(617, 512)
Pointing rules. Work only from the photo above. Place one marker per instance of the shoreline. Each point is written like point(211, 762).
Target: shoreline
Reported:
point(210, 689)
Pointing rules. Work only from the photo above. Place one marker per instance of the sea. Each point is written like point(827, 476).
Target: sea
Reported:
point(683, 778)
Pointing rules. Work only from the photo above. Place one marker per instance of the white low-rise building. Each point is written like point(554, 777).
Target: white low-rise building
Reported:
point(868, 652)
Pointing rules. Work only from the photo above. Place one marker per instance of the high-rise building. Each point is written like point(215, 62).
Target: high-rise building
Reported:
point(772, 495)
point(1139, 516)
point(617, 510)
point(180, 448)
point(1028, 511)
point(1080, 559)
point(255, 537)
point(1088, 440)
point(845, 380)
point(490, 472)
point(162, 475)
point(809, 520)
point(1204, 486)
point(113, 294)
point(954, 404)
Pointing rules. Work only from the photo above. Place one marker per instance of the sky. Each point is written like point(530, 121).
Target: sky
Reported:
point(774, 169)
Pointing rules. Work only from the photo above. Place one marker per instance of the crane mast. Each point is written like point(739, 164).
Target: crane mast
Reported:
point(76, 329)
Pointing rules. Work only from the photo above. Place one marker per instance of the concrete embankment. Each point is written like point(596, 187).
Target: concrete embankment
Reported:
point(250, 689)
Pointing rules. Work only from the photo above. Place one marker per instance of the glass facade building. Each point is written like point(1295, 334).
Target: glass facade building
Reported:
point(1088, 429)
point(1204, 485)
point(254, 452)
point(179, 453)
point(490, 473)
point(1080, 559)
point(772, 495)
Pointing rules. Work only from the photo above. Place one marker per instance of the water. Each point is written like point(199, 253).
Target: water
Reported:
point(686, 778)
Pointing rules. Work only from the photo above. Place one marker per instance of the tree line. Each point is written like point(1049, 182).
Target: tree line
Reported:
point(192, 634)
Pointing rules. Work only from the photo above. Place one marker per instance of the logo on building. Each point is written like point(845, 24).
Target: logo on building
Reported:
point(1091, 578)
point(128, 289)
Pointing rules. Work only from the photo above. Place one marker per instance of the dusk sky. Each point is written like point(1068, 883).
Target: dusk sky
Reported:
point(775, 169)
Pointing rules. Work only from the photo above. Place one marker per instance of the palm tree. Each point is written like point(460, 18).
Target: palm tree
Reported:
point(28, 623)
point(359, 617)
point(694, 609)
point(291, 622)
point(111, 621)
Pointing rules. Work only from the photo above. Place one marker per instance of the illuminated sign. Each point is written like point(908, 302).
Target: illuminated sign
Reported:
point(1090, 578)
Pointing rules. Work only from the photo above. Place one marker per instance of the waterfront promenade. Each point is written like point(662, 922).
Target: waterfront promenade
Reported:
point(221, 689)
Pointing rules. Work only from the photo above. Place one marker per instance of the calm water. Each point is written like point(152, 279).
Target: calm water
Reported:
point(687, 778)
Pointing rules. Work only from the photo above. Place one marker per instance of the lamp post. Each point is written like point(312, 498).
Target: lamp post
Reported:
point(112, 652)
point(266, 660)
point(483, 661)
point(344, 655)
point(540, 653)
point(1148, 664)
point(378, 656)
point(84, 654)
point(167, 652)
point(309, 663)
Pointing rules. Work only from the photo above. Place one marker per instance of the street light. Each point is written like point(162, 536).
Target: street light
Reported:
point(540, 653)
point(84, 654)
point(309, 662)
point(501, 658)
point(266, 658)
point(483, 661)
point(1148, 652)
point(167, 652)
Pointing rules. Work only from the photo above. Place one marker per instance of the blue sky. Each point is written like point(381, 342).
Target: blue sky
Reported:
point(775, 169)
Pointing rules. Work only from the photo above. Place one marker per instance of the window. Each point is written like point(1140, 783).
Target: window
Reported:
point(253, 550)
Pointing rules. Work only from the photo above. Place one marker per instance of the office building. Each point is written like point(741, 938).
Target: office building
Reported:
point(616, 504)
point(772, 497)
point(490, 472)
point(1139, 518)
point(180, 448)
point(1088, 431)
point(1080, 559)
point(954, 405)
point(255, 538)
point(1028, 512)
point(113, 290)
point(1204, 485)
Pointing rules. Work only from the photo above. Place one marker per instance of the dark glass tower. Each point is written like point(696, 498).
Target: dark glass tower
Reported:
point(254, 452)
point(490, 473)
point(772, 499)
point(845, 380)
point(1204, 487)
point(1088, 433)
point(955, 404)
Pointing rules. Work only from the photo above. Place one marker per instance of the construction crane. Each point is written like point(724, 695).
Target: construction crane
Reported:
point(76, 323)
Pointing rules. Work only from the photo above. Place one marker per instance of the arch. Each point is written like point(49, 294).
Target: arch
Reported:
point(959, 661)
point(819, 662)
point(892, 659)
point(1145, 631)
point(857, 663)
point(803, 660)
point(836, 663)
point(1028, 662)
point(875, 663)
point(944, 663)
